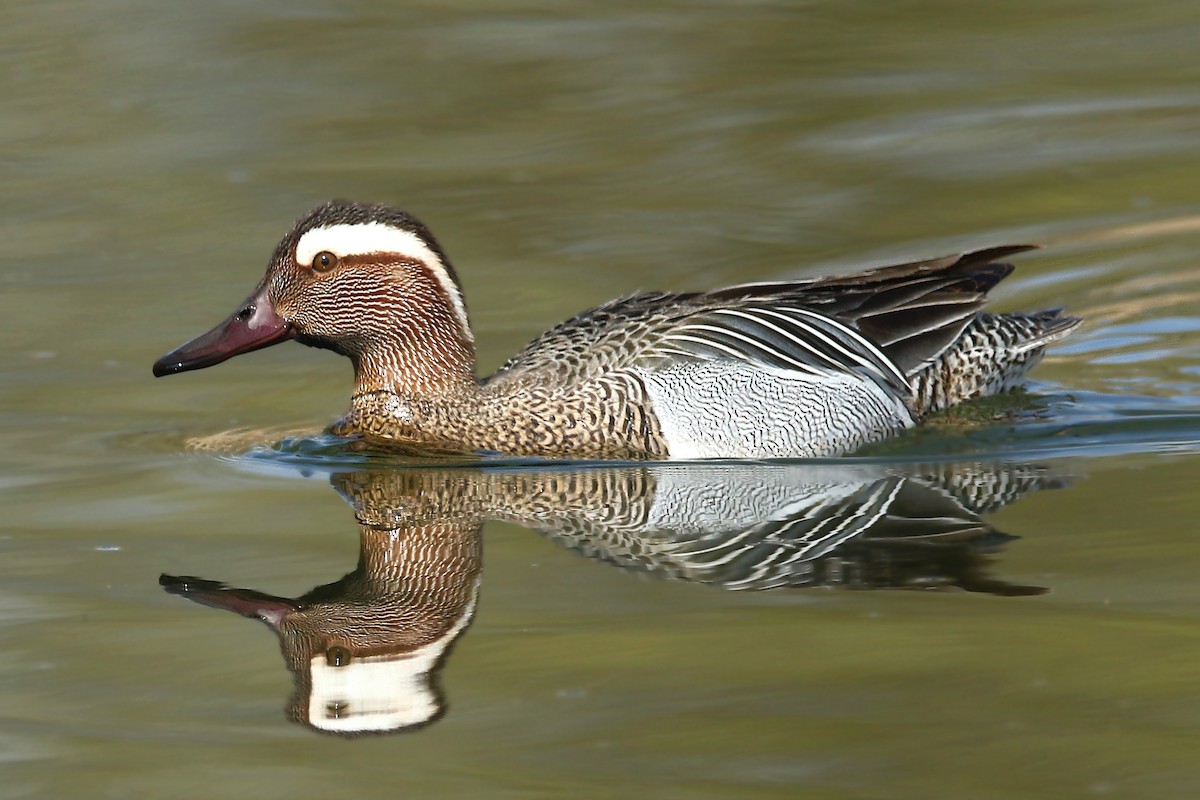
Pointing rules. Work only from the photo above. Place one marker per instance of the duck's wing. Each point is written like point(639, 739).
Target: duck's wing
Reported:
point(779, 335)
point(912, 312)
point(610, 337)
point(883, 324)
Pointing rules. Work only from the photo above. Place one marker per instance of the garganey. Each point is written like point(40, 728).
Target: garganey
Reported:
point(805, 368)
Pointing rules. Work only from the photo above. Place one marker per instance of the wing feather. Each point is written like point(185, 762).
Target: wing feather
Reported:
point(792, 338)
point(884, 324)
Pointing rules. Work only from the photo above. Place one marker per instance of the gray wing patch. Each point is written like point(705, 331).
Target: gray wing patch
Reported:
point(787, 338)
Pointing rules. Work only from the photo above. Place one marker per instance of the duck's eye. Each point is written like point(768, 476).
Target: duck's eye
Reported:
point(324, 261)
point(337, 656)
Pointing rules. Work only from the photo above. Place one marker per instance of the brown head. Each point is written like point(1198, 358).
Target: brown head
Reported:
point(367, 281)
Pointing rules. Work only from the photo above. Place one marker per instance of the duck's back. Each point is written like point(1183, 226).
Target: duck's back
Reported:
point(806, 368)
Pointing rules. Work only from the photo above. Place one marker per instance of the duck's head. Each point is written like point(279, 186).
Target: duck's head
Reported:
point(367, 281)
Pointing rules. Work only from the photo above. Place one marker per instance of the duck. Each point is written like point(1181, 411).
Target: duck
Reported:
point(809, 368)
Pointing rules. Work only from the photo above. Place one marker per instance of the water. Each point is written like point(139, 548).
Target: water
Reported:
point(566, 156)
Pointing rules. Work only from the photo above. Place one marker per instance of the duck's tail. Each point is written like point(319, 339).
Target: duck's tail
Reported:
point(990, 356)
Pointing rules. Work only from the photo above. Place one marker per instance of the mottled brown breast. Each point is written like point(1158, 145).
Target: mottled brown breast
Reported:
point(604, 417)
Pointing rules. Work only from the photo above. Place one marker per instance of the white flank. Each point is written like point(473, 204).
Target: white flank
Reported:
point(365, 238)
point(727, 408)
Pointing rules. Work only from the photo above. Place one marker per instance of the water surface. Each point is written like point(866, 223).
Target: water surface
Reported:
point(565, 156)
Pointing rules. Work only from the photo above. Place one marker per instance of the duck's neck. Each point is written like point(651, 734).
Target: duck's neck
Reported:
point(416, 365)
point(412, 394)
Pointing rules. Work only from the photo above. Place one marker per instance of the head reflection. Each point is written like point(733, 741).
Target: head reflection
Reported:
point(365, 650)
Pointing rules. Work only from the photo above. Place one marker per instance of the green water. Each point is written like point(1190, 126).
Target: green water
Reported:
point(565, 155)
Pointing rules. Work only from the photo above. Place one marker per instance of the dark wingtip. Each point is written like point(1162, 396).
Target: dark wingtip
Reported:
point(984, 269)
point(1001, 251)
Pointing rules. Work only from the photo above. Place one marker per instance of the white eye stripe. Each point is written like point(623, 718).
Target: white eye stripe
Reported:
point(376, 237)
point(360, 239)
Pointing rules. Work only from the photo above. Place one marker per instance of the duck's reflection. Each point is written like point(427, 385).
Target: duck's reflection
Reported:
point(364, 650)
